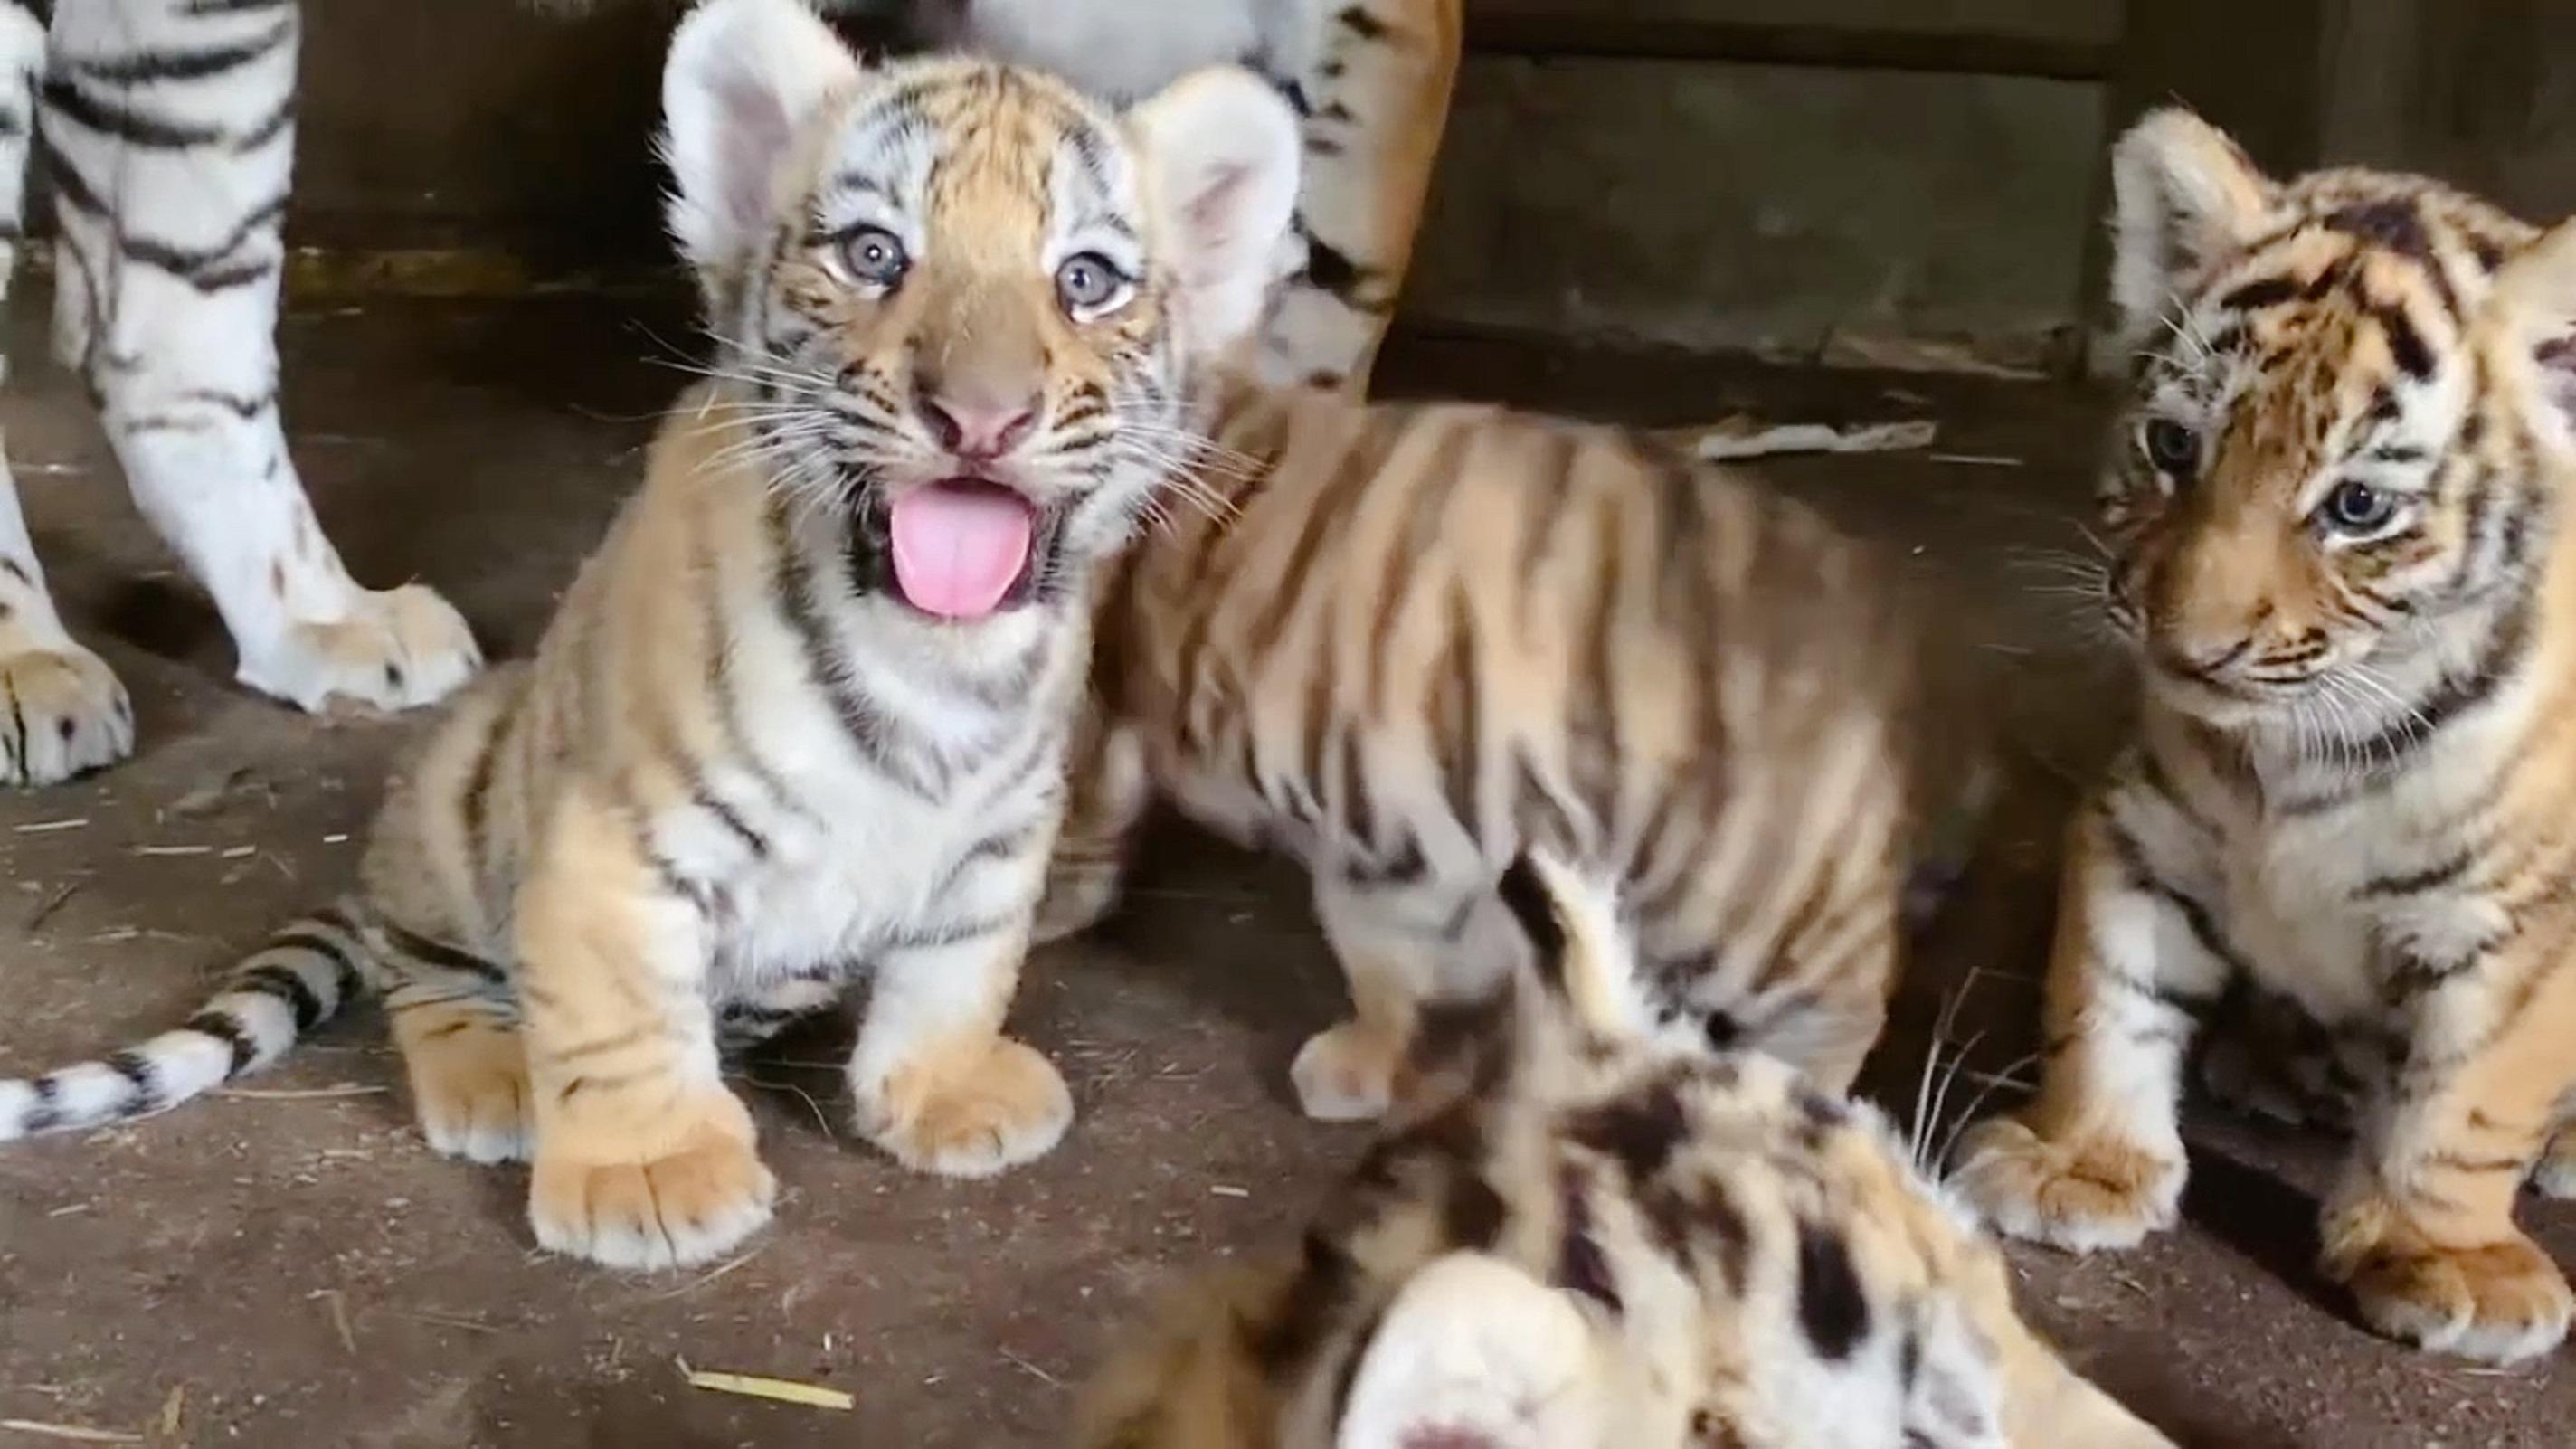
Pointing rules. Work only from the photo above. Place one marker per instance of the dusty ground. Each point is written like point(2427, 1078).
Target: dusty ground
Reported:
point(288, 1266)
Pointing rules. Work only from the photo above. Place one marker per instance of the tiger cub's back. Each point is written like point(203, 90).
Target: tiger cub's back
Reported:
point(1404, 640)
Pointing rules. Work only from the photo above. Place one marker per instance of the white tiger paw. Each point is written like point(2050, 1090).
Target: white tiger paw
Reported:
point(62, 711)
point(399, 648)
point(1346, 1074)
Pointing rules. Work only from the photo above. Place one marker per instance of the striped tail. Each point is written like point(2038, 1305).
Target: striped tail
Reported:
point(291, 984)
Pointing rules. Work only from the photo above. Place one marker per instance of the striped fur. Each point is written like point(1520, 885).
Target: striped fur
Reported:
point(2336, 542)
point(1404, 641)
point(1585, 1233)
point(742, 771)
point(165, 130)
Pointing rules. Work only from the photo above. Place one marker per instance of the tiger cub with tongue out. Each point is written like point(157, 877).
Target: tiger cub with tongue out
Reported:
point(804, 712)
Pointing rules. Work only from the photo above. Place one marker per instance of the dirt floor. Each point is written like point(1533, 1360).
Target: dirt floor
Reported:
point(288, 1265)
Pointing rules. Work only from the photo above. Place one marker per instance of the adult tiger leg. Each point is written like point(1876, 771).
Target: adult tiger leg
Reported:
point(2421, 1224)
point(167, 130)
point(1375, 93)
point(61, 711)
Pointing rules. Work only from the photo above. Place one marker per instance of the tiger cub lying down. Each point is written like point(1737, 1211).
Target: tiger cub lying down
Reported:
point(1586, 1233)
point(1405, 640)
point(803, 714)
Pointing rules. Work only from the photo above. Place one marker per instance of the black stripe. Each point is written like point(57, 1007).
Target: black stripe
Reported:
point(231, 7)
point(2416, 882)
point(2507, 648)
point(138, 1072)
point(134, 127)
point(719, 676)
point(140, 66)
point(2256, 295)
point(916, 938)
point(1526, 896)
point(879, 740)
point(438, 953)
point(268, 128)
point(2204, 928)
point(2405, 344)
point(344, 971)
point(1434, 481)
point(228, 1031)
point(286, 986)
point(1833, 1307)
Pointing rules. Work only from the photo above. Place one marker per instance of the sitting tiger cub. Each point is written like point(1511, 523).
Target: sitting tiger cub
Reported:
point(2338, 525)
point(803, 714)
point(1404, 640)
point(1586, 1233)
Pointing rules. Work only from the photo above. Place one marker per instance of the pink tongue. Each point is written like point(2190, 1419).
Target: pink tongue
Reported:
point(958, 547)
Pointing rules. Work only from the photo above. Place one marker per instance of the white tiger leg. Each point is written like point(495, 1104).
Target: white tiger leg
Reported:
point(1400, 945)
point(61, 711)
point(167, 129)
point(1373, 88)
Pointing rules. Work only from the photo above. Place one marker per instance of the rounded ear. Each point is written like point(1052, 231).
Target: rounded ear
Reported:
point(742, 79)
point(1220, 152)
point(1463, 1355)
point(2532, 312)
point(2184, 197)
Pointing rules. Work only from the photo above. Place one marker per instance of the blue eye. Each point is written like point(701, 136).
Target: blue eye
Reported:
point(874, 257)
point(1090, 282)
point(2358, 508)
point(2172, 448)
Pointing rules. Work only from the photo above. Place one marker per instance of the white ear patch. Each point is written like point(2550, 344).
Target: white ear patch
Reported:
point(2184, 198)
point(1221, 164)
point(742, 79)
point(1476, 1354)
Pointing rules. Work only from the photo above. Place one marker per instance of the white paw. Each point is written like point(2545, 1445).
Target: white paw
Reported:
point(61, 712)
point(397, 649)
point(1345, 1074)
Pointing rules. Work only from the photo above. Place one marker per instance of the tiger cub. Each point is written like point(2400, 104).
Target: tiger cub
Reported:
point(1405, 641)
point(2338, 544)
point(1588, 1233)
point(802, 716)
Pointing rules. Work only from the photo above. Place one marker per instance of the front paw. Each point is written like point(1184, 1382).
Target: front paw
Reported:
point(1005, 1106)
point(685, 1206)
point(61, 712)
point(396, 649)
point(2093, 1192)
point(1346, 1073)
point(2497, 1302)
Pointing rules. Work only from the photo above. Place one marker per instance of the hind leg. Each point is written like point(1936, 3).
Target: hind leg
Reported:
point(172, 179)
point(468, 1071)
point(1400, 946)
point(61, 711)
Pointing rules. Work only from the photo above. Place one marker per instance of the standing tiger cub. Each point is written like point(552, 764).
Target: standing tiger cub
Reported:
point(2338, 525)
point(1404, 641)
point(803, 714)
